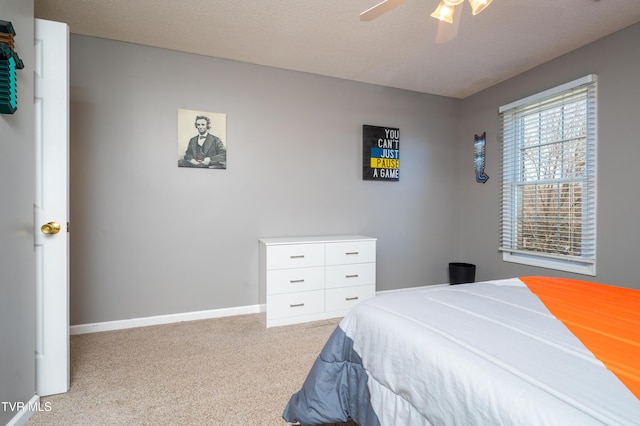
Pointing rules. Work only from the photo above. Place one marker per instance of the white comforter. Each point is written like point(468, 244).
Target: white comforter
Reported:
point(480, 354)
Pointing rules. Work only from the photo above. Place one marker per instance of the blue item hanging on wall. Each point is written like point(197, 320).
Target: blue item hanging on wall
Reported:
point(479, 150)
point(9, 63)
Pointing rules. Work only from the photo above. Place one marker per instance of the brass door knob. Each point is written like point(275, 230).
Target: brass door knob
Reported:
point(50, 228)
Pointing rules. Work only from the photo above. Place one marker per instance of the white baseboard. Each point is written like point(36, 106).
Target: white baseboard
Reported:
point(29, 409)
point(186, 316)
point(164, 319)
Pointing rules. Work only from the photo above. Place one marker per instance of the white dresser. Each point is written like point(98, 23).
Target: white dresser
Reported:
point(313, 278)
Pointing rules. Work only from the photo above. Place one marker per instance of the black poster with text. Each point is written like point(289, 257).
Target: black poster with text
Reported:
point(380, 153)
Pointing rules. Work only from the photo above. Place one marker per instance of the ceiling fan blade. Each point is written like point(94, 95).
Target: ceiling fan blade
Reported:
point(446, 31)
point(380, 9)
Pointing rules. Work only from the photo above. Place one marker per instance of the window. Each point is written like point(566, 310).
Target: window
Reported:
point(549, 178)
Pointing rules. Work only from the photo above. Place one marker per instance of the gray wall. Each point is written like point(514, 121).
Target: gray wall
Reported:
point(149, 238)
point(17, 189)
point(616, 61)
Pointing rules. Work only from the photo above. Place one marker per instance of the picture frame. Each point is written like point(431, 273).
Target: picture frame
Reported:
point(202, 139)
point(380, 153)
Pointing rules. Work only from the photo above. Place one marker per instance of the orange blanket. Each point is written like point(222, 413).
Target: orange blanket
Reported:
point(605, 318)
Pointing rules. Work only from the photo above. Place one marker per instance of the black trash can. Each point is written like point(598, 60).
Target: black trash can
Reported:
point(460, 273)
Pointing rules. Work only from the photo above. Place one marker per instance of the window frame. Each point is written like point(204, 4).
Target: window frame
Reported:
point(585, 265)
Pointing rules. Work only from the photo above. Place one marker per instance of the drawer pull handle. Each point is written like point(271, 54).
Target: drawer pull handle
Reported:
point(351, 298)
point(351, 276)
point(296, 281)
point(349, 253)
point(297, 305)
point(297, 256)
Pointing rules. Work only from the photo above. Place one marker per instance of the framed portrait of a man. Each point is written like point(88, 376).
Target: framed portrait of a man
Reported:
point(202, 139)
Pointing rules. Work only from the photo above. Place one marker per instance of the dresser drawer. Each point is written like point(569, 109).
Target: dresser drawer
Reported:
point(295, 256)
point(343, 299)
point(295, 280)
point(350, 275)
point(295, 304)
point(350, 252)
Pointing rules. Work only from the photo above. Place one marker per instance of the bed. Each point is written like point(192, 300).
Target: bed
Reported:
point(520, 351)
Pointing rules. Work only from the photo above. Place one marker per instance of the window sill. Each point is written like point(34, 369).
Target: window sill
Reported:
point(558, 265)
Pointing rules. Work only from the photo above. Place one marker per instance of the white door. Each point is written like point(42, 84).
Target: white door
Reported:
point(51, 70)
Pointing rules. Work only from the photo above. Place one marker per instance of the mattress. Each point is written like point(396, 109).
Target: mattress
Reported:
point(503, 352)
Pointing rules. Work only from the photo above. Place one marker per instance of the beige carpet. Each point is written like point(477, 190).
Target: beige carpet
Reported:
point(226, 371)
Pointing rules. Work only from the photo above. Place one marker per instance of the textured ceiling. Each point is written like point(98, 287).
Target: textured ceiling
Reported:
point(327, 38)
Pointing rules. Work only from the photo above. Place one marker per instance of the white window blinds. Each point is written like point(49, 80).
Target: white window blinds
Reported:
point(549, 178)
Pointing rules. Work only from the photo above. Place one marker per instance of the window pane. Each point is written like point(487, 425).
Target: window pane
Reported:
point(550, 218)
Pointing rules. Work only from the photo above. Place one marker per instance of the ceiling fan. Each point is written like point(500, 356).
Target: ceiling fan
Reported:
point(448, 13)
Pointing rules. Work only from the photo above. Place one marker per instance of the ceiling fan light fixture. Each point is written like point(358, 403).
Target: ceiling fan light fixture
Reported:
point(444, 12)
point(478, 6)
